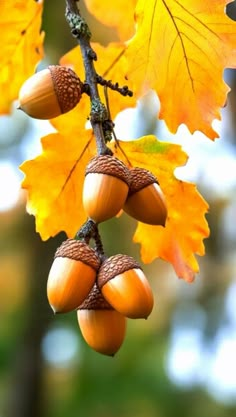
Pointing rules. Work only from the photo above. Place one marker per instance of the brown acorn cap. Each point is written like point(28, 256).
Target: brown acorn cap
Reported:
point(95, 301)
point(140, 178)
point(67, 86)
point(109, 165)
point(79, 251)
point(113, 266)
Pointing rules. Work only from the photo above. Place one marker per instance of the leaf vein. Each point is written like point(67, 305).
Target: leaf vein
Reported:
point(182, 44)
point(75, 165)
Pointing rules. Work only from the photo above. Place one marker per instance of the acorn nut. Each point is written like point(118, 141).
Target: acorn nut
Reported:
point(50, 92)
point(72, 275)
point(106, 187)
point(145, 201)
point(124, 285)
point(102, 327)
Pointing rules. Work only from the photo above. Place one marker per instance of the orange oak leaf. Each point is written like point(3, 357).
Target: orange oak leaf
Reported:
point(120, 15)
point(180, 50)
point(21, 46)
point(186, 226)
point(54, 182)
point(111, 65)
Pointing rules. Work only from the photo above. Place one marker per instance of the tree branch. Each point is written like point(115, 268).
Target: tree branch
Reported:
point(81, 32)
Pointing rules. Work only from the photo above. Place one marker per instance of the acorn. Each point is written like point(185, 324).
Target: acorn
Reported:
point(146, 201)
point(106, 187)
point(72, 275)
point(124, 285)
point(102, 327)
point(50, 92)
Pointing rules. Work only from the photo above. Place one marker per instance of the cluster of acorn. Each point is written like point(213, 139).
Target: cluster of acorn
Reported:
point(107, 291)
point(104, 291)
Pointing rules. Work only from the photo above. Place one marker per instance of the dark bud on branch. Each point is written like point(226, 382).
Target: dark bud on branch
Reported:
point(114, 86)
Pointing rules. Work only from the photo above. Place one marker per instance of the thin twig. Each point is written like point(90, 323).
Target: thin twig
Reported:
point(110, 128)
point(115, 86)
point(89, 230)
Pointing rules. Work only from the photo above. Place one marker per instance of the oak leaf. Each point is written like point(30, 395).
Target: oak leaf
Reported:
point(120, 15)
point(186, 226)
point(180, 50)
point(21, 46)
point(54, 182)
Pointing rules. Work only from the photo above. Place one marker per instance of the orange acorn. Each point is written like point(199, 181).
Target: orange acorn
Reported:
point(50, 92)
point(72, 275)
point(124, 285)
point(102, 327)
point(106, 187)
point(145, 201)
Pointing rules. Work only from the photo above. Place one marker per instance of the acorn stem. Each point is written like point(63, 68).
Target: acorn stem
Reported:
point(99, 246)
point(89, 230)
point(81, 32)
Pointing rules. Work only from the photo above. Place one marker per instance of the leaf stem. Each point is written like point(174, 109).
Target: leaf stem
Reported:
point(81, 32)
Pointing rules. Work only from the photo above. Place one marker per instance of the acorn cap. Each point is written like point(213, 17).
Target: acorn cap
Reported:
point(140, 178)
point(109, 165)
point(115, 265)
point(95, 301)
point(79, 251)
point(67, 86)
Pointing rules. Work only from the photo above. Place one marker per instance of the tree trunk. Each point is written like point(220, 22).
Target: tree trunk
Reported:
point(26, 392)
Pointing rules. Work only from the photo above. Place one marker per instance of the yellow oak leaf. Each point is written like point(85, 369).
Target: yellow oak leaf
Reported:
point(120, 15)
point(21, 46)
point(180, 50)
point(54, 182)
point(111, 65)
point(186, 226)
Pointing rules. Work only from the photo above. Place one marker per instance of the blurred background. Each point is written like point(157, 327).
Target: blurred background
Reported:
point(181, 361)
